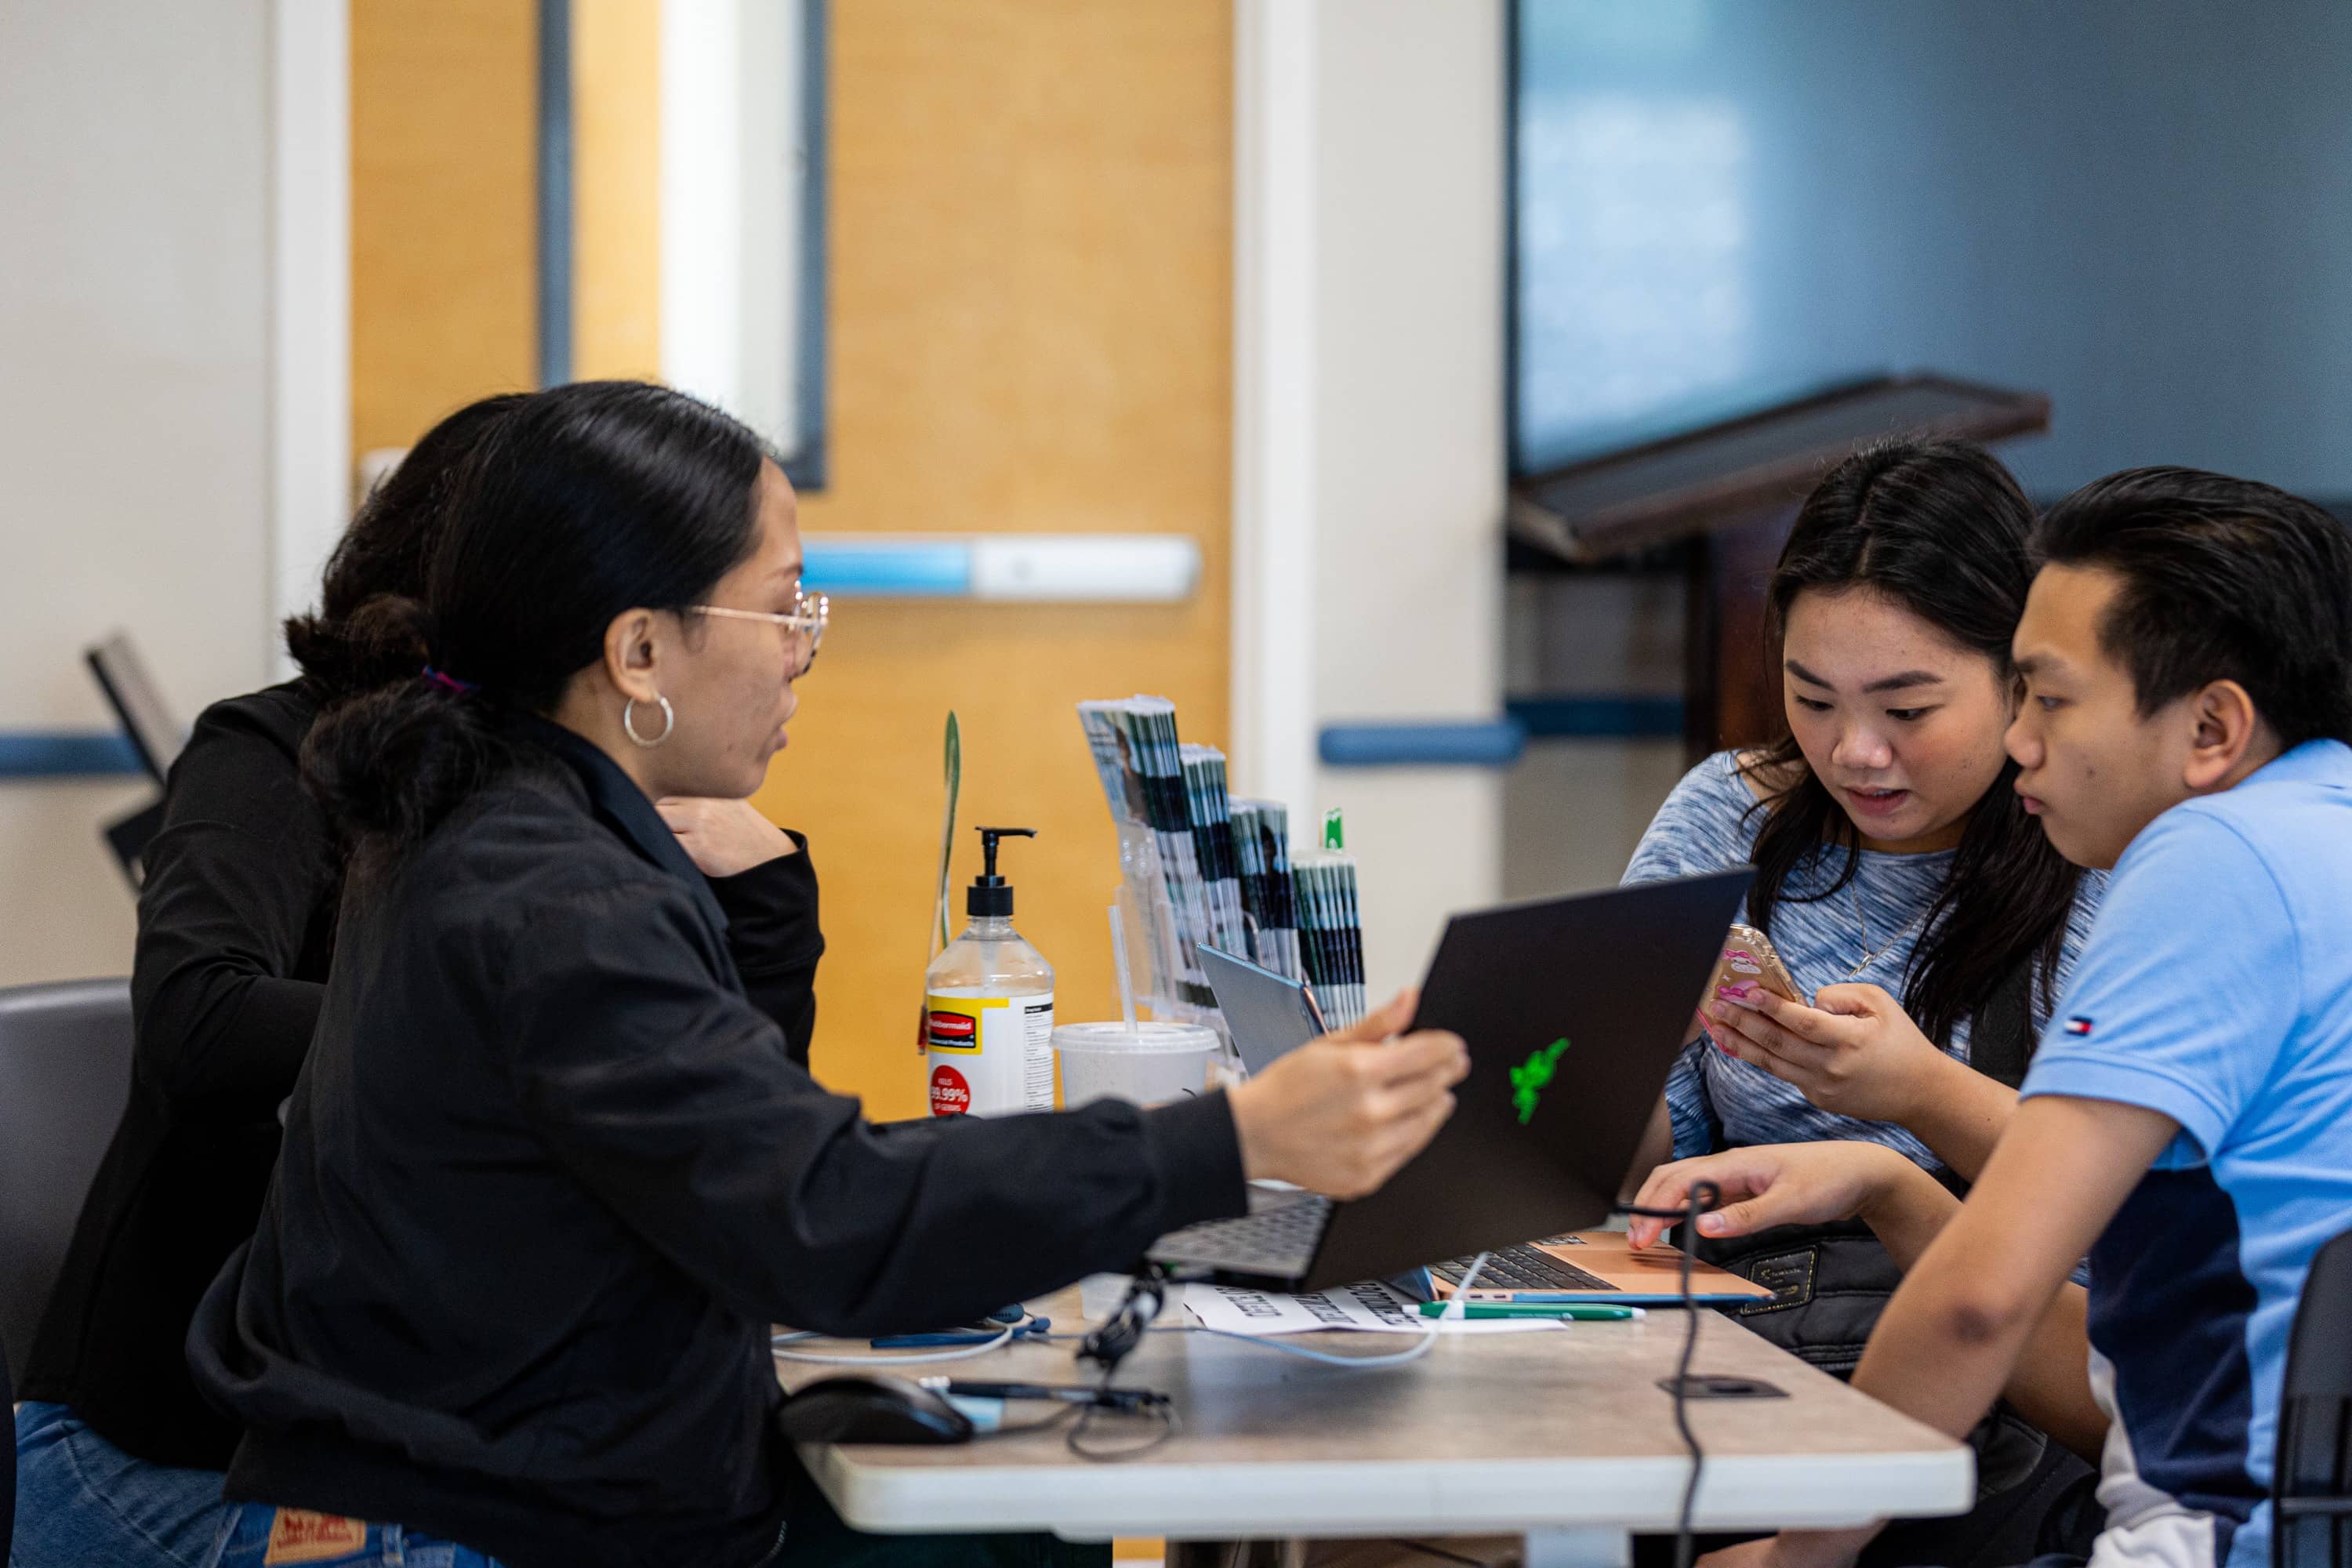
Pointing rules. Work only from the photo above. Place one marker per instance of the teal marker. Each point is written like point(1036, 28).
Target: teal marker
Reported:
point(1536, 1310)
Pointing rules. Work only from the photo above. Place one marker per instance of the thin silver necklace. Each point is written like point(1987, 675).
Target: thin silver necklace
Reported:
point(1869, 955)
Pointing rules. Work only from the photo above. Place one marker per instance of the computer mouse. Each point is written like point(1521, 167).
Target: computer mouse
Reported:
point(856, 1409)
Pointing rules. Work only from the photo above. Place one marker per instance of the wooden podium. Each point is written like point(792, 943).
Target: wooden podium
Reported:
point(1719, 500)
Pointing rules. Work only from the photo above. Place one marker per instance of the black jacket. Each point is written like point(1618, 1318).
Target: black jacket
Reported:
point(548, 1178)
point(237, 922)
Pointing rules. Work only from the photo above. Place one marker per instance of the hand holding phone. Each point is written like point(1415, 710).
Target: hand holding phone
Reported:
point(1748, 963)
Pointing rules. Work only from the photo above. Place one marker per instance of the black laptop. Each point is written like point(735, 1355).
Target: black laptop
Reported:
point(1574, 1010)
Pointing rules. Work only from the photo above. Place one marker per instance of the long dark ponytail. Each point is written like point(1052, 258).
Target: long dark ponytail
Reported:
point(1939, 527)
point(366, 632)
point(580, 502)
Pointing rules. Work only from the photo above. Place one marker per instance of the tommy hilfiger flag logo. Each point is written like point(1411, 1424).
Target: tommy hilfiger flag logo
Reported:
point(2078, 1025)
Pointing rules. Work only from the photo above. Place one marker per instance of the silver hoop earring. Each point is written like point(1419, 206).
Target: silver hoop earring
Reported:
point(629, 722)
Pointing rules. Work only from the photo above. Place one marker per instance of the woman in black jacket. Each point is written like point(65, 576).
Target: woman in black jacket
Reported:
point(548, 1178)
point(121, 1459)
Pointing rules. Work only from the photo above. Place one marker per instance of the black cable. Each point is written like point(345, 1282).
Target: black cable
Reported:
point(1077, 1443)
point(1117, 1337)
point(1686, 1543)
point(1124, 1330)
point(1107, 1347)
point(1703, 1194)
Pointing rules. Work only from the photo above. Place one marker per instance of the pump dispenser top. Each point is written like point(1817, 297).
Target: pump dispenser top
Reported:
point(988, 1014)
point(990, 894)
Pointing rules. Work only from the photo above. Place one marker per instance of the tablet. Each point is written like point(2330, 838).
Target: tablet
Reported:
point(1267, 1014)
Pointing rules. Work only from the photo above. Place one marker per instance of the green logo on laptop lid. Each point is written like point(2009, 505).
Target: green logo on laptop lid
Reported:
point(1529, 1081)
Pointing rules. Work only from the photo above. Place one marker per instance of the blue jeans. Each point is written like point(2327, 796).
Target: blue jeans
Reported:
point(80, 1499)
point(246, 1542)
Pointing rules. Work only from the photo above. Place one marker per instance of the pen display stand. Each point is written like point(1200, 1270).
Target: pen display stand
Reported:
point(1200, 868)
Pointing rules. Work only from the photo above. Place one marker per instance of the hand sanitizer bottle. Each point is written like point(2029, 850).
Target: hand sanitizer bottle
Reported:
point(988, 1009)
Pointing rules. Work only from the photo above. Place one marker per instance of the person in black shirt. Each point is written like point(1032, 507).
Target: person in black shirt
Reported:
point(120, 1456)
point(548, 1178)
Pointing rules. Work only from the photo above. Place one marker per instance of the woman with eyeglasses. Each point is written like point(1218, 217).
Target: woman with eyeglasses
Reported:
point(121, 1459)
point(547, 1179)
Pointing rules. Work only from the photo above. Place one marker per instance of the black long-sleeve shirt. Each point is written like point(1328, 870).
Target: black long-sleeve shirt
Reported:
point(237, 924)
point(548, 1178)
point(236, 928)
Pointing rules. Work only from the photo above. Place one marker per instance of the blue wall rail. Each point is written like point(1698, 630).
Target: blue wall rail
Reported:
point(1035, 568)
point(1478, 743)
point(988, 568)
point(1498, 743)
point(66, 753)
point(924, 569)
point(1460, 744)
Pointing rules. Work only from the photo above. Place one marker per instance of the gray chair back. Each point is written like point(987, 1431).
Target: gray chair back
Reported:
point(65, 1076)
point(2311, 1480)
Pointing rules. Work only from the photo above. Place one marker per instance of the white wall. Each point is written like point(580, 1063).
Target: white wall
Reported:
point(1370, 445)
point(134, 449)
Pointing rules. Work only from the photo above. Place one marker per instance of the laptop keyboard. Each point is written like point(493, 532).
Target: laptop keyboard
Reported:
point(1277, 1239)
point(1521, 1269)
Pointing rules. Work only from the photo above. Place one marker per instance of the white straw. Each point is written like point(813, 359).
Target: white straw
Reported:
point(1118, 963)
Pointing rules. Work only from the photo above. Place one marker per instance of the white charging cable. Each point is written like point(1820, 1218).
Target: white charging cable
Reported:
point(1453, 1313)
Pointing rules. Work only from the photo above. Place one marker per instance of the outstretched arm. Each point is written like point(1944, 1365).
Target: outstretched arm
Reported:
point(1968, 1317)
point(1906, 1209)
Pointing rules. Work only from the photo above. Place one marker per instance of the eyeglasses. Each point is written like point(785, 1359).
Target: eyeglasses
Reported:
point(806, 618)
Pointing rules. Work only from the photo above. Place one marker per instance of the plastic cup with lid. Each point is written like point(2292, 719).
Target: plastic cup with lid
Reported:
point(1150, 1063)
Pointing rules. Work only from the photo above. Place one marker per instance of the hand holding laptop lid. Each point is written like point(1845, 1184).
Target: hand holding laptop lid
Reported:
point(1343, 1114)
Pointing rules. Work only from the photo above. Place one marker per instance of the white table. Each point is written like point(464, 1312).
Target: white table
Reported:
point(1562, 1435)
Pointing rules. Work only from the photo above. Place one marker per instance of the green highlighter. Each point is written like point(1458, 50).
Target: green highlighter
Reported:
point(1560, 1310)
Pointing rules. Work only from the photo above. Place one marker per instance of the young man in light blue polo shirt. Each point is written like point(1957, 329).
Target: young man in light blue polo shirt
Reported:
point(2188, 1120)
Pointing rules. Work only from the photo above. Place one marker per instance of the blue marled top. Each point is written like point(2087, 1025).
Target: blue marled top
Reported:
point(1710, 822)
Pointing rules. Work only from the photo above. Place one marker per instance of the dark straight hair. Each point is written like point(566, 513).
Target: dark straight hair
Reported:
point(2222, 579)
point(1941, 528)
point(364, 634)
point(580, 502)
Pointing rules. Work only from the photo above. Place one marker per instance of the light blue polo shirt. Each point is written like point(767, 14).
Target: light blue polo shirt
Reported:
point(2216, 988)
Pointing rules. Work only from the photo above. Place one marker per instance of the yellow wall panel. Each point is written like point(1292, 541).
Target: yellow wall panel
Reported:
point(1030, 276)
point(616, 188)
point(444, 153)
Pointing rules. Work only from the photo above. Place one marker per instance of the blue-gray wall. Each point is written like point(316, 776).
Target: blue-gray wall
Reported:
point(2142, 207)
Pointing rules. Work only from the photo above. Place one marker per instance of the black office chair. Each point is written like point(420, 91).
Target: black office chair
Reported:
point(65, 1074)
point(2311, 1485)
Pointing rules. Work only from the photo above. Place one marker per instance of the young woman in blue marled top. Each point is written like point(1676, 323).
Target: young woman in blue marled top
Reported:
point(1898, 874)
